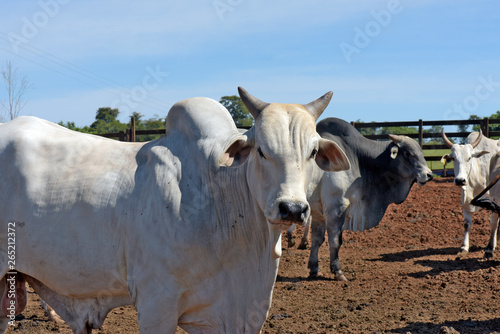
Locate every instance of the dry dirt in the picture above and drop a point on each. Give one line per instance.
(404, 277)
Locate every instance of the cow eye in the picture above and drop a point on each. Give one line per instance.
(261, 154)
(313, 154)
(408, 155)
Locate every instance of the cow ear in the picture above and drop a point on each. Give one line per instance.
(394, 152)
(446, 158)
(236, 154)
(330, 157)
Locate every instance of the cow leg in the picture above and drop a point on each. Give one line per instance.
(304, 242)
(488, 252)
(156, 317)
(334, 228)
(289, 236)
(4, 323)
(467, 226)
(318, 229)
(80, 314)
(51, 314)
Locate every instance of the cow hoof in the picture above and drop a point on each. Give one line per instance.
(341, 277)
(462, 252)
(303, 245)
(488, 255)
(315, 275)
(291, 243)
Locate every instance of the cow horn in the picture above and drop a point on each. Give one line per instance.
(396, 139)
(253, 104)
(478, 139)
(317, 107)
(446, 140)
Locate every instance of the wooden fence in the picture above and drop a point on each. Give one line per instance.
(421, 135)
(131, 133)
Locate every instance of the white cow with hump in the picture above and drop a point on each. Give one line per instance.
(471, 163)
(491, 203)
(165, 225)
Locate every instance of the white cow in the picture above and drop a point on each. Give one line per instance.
(491, 203)
(471, 163)
(164, 225)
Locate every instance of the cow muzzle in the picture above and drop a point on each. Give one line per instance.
(425, 178)
(460, 181)
(291, 212)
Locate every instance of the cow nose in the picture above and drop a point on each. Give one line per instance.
(460, 182)
(295, 212)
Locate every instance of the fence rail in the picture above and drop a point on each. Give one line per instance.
(131, 133)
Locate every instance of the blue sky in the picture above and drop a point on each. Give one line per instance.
(384, 60)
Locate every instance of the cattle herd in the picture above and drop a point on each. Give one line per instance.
(187, 228)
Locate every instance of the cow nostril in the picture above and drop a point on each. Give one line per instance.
(430, 176)
(293, 211)
(460, 182)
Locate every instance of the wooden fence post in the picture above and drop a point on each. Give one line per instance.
(421, 133)
(485, 126)
(132, 129)
(121, 136)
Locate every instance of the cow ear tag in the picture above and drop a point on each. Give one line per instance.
(394, 152)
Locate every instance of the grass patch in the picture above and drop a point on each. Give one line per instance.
(437, 164)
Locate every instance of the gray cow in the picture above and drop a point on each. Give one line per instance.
(381, 173)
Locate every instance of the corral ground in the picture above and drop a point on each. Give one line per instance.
(404, 277)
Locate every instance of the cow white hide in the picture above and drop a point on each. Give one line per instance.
(166, 226)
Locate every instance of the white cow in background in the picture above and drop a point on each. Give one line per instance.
(491, 203)
(471, 163)
(164, 225)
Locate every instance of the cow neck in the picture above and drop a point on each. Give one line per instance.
(238, 213)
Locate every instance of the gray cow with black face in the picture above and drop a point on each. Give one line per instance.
(381, 173)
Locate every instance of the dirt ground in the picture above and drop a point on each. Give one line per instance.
(404, 277)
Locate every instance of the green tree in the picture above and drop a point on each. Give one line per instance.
(366, 131)
(495, 127)
(436, 140)
(238, 111)
(153, 123)
(106, 121)
(400, 130)
(465, 128)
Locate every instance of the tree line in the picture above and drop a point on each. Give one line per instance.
(434, 129)
(106, 119)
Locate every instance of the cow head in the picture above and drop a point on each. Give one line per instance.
(462, 156)
(409, 160)
(281, 149)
